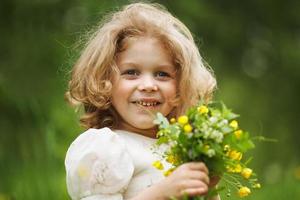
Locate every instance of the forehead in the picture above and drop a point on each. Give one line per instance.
(147, 50)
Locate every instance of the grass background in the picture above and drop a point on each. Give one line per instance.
(253, 47)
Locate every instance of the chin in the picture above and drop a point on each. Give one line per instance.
(145, 125)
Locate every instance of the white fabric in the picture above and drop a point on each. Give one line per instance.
(104, 196)
(102, 164)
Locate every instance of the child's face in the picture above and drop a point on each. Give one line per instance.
(147, 84)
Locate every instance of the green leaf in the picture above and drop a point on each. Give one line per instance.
(214, 191)
(162, 140)
(161, 121)
(227, 114)
(245, 145)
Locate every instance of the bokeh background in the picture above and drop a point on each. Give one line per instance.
(253, 47)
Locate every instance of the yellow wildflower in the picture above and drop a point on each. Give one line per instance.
(202, 109)
(234, 124)
(226, 147)
(160, 133)
(238, 168)
(183, 120)
(234, 169)
(172, 120)
(187, 128)
(238, 133)
(244, 191)
(158, 165)
(235, 155)
(256, 185)
(171, 159)
(168, 172)
(246, 173)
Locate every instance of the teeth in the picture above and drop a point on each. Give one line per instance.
(147, 103)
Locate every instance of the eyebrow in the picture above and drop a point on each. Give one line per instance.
(168, 66)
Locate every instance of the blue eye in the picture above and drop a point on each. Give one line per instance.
(130, 72)
(162, 74)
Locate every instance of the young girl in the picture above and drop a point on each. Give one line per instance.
(142, 60)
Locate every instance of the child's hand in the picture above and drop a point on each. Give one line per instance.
(188, 179)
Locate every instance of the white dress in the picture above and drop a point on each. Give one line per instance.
(102, 164)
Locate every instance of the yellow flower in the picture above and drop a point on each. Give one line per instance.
(257, 186)
(234, 124)
(244, 191)
(172, 120)
(187, 128)
(158, 165)
(171, 159)
(235, 169)
(238, 168)
(226, 147)
(160, 133)
(168, 172)
(246, 173)
(183, 120)
(202, 109)
(238, 133)
(235, 155)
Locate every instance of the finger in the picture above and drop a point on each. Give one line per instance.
(195, 191)
(198, 166)
(199, 175)
(193, 184)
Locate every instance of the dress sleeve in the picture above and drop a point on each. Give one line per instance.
(98, 166)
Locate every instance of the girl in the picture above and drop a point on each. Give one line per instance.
(141, 60)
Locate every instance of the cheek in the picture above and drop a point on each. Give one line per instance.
(121, 91)
(116, 95)
(118, 87)
(171, 90)
(170, 93)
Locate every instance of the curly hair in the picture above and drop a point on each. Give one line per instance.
(91, 79)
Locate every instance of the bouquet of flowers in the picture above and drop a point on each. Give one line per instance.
(209, 133)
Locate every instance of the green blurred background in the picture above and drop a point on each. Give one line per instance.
(253, 47)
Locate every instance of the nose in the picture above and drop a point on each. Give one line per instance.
(147, 84)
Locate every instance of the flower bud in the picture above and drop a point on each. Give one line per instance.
(244, 191)
(202, 109)
(234, 124)
(187, 128)
(158, 165)
(183, 120)
(246, 173)
(238, 134)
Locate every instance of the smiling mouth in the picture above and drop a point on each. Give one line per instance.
(147, 104)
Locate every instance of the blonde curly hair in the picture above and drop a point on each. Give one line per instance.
(91, 80)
